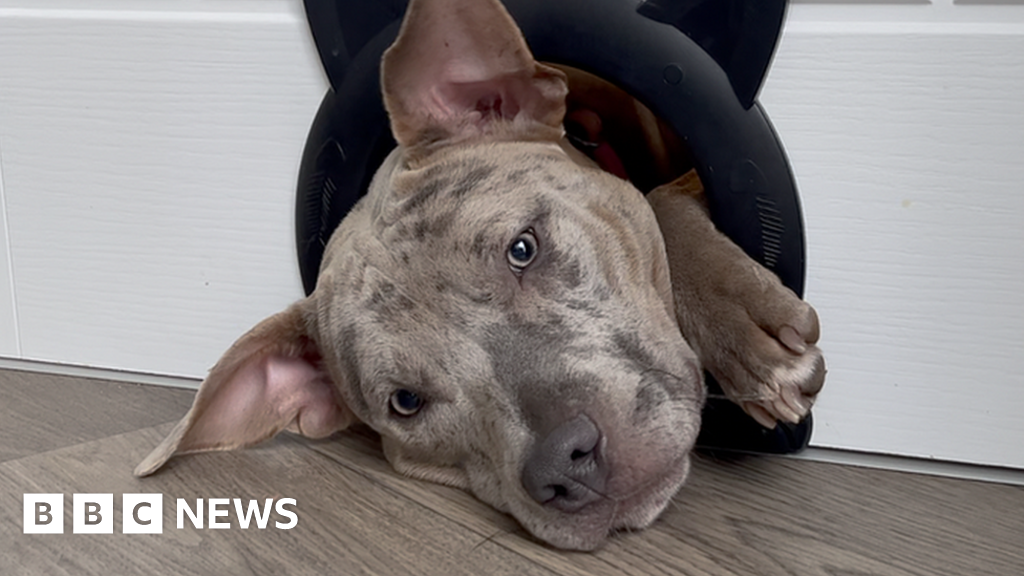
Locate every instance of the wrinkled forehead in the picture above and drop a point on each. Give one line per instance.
(471, 195)
(438, 233)
(449, 221)
(481, 181)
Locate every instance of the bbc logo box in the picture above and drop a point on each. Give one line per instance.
(142, 513)
(44, 514)
(93, 513)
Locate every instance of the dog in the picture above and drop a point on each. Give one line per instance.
(509, 317)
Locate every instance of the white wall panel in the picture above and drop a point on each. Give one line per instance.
(150, 163)
(149, 151)
(907, 146)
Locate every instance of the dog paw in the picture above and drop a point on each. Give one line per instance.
(760, 345)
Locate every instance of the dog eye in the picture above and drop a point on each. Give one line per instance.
(405, 402)
(522, 250)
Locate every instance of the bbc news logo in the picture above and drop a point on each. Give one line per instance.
(143, 513)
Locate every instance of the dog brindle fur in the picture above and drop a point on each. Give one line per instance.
(509, 317)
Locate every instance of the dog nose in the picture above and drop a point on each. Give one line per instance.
(567, 470)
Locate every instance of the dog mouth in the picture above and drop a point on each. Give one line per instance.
(643, 507)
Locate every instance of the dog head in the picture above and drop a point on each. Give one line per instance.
(497, 307)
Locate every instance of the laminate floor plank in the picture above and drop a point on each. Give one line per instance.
(736, 516)
(40, 412)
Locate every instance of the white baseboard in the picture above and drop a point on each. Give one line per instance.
(99, 373)
(957, 470)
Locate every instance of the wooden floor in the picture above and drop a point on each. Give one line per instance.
(747, 516)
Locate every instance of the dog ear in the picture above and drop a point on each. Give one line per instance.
(270, 380)
(461, 69)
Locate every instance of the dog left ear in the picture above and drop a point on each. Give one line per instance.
(270, 380)
(461, 68)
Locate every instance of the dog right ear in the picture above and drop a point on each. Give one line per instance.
(271, 379)
(460, 69)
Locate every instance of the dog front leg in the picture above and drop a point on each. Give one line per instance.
(754, 335)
